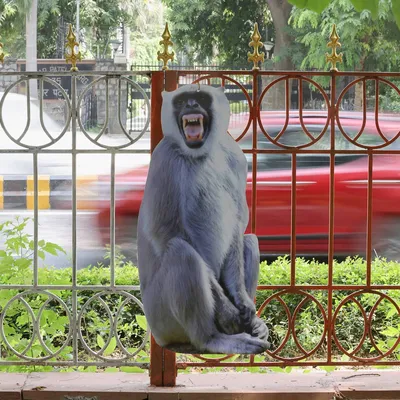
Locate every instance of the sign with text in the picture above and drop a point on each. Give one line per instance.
(52, 92)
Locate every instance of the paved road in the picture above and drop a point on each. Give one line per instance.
(56, 226)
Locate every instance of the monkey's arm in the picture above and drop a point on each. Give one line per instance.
(227, 316)
(233, 281)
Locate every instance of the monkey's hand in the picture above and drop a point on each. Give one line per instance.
(247, 310)
(259, 328)
(228, 317)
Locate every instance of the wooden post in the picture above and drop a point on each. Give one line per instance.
(162, 361)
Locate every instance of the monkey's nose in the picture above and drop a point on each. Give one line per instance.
(192, 103)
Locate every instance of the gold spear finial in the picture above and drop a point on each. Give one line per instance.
(256, 43)
(72, 53)
(1, 53)
(334, 58)
(164, 56)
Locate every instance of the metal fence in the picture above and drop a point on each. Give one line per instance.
(50, 322)
(72, 322)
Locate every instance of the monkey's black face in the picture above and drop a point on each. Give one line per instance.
(193, 114)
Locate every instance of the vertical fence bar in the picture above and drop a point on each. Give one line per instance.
(369, 217)
(162, 361)
(293, 222)
(35, 219)
(255, 110)
(112, 218)
(74, 116)
(332, 116)
(293, 193)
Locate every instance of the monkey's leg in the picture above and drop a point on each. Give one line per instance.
(251, 254)
(227, 316)
(233, 281)
(187, 292)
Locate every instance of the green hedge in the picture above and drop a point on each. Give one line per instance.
(16, 268)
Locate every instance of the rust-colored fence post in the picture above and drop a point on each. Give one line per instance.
(162, 361)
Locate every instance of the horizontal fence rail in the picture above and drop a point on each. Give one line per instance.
(323, 155)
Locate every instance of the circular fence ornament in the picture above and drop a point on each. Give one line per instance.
(278, 139)
(298, 300)
(41, 345)
(369, 133)
(38, 132)
(116, 109)
(368, 303)
(111, 345)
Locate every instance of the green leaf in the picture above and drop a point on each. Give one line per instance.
(141, 321)
(100, 341)
(41, 254)
(313, 5)
(111, 369)
(52, 248)
(371, 5)
(396, 11)
(391, 312)
(111, 347)
(299, 3)
(317, 5)
(390, 331)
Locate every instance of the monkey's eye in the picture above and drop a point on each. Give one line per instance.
(179, 102)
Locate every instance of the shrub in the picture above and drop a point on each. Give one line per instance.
(16, 262)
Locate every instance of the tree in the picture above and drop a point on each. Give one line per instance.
(372, 5)
(218, 31)
(280, 11)
(146, 30)
(100, 18)
(367, 43)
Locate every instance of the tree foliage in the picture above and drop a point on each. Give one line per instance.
(360, 5)
(98, 17)
(216, 31)
(148, 26)
(367, 43)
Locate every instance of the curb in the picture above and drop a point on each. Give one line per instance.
(54, 192)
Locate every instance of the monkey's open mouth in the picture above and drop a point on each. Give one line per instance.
(193, 127)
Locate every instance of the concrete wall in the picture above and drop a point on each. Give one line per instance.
(10, 65)
(113, 126)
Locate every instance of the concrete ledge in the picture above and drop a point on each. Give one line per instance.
(221, 386)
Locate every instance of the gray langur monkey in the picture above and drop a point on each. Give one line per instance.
(198, 270)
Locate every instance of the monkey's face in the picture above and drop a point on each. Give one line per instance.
(192, 113)
(195, 118)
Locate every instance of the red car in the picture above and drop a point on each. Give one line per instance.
(273, 216)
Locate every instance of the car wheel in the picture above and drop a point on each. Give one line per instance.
(387, 244)
(126, 237)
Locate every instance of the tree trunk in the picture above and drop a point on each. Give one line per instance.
(31, 45)
(359, 91)
(280, 11)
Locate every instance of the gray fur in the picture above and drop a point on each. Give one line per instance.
(198, 271)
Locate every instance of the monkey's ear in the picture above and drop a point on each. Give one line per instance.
(165, 95)
(222, 89)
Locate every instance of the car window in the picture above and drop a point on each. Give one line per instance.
(294, 135)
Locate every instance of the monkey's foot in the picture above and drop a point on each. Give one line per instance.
(259, 329)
